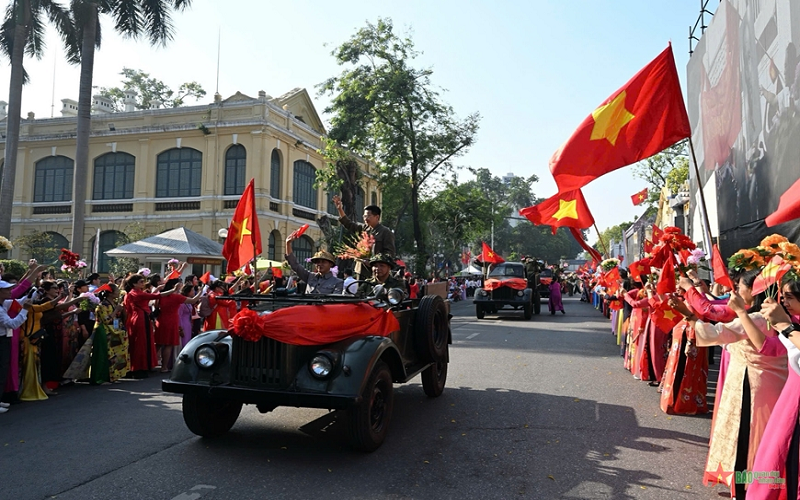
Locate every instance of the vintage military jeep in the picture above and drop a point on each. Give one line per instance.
(507, 285)
(219, 371)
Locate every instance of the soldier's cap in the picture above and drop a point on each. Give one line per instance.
(382, 258)
(323, 255)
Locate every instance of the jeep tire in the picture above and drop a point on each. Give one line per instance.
(208, 417)
(480, 313)
(527, 311)
(434, 378)
(369, 420)
(430, 328)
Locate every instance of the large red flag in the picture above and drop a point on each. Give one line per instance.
(488, 256)
(788, 208)
(641, 119)
(720, 269)
(639, 197)
(243, 243)
(567, 209)
(666, 280)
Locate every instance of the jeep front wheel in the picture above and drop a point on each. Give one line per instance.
(433, 379)
(431, 328)
(208, 417)
(480, 313)
(369, 419)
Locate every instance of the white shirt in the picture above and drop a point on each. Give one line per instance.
(9, 324)
(347, 281)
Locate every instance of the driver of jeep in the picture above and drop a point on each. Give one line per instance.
(382, 266)
(322, 281)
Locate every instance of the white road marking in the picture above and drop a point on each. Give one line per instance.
(473, 335)
(194, 496)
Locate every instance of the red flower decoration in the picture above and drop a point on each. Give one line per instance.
(246, 325)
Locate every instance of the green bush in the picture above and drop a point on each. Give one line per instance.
(14, 267)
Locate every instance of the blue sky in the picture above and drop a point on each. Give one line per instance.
(533, 69)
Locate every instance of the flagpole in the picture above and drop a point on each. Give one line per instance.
(703, 209)
(599, 238)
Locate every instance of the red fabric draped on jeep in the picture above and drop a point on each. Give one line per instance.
(315, 324)
(515, 283)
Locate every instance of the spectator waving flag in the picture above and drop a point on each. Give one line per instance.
(640, 119)
(243, 243)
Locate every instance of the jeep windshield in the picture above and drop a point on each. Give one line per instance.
(502, 271)
(546, 273)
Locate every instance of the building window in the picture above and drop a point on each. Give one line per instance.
(235, 159)
(374, 198)
(108, 240)
(113, 176)
(274, 236)
(48, 248)
(331, 207)
(359, 201)
(304, 177)
(53, 180)
(302, 249)
(275, 175)
(178, 173)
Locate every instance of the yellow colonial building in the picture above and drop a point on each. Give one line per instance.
(186, 166)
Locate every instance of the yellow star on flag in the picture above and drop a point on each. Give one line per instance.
(641, 197)
(241, 229)
(566, 209)
(669, 315)
(610, 118)
(490, 255)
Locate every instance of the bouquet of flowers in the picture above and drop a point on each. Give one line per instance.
(89, 302)
(5, 245)
(609, 264)
(72, 262)
(358, 248)
(773, 245)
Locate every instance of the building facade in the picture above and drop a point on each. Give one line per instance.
(187, 166)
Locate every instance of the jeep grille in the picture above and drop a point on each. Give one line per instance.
(258, 363)
(504, 293)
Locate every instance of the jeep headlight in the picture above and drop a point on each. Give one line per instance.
(520, 293)
(205, 356)
(395, 296)
(321, 365)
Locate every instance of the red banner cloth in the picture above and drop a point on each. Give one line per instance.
(720, 269)
(515, 283)
(641, 119)
(243, 243)
(596, 257)
(315, 324)
(566, 209)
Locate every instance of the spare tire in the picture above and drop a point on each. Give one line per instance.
(431, 328)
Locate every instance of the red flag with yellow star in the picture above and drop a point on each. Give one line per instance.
(567, 209)
(639, 120)
(665, 317)
(243, 243)
(489, 256)
(639, 197)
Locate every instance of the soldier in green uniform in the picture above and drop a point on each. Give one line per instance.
(382, 266)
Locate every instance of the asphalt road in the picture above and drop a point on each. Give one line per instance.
(536, 409)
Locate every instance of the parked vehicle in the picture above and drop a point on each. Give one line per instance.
(507, 285)
(219, 371)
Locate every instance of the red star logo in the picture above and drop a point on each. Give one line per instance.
(719, 476)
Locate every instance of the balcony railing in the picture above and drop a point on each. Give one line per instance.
(49, 209)
(113, 207)
(303, 214)
(177, 206)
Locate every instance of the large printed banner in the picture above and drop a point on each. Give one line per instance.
(744, 108)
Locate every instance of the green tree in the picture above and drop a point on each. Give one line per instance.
(132, 18)
(41, 246)
(134, 231)
(613, 233)
(341, 175)
(385, 109)
(23, 31)
(669, 168)
(150, 91)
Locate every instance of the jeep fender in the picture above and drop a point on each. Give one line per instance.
(359, 358)
(186, 370)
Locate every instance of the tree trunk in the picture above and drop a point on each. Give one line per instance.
(13, 118)
(422, 254)
(84, 129)
(347, 172)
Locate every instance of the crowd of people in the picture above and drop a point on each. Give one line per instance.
(667, 322)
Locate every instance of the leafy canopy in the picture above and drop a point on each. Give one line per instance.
(151, 91)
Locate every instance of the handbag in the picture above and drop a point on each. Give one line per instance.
(36, 337)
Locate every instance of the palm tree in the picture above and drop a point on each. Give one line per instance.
(132, 18)
(23, 31)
